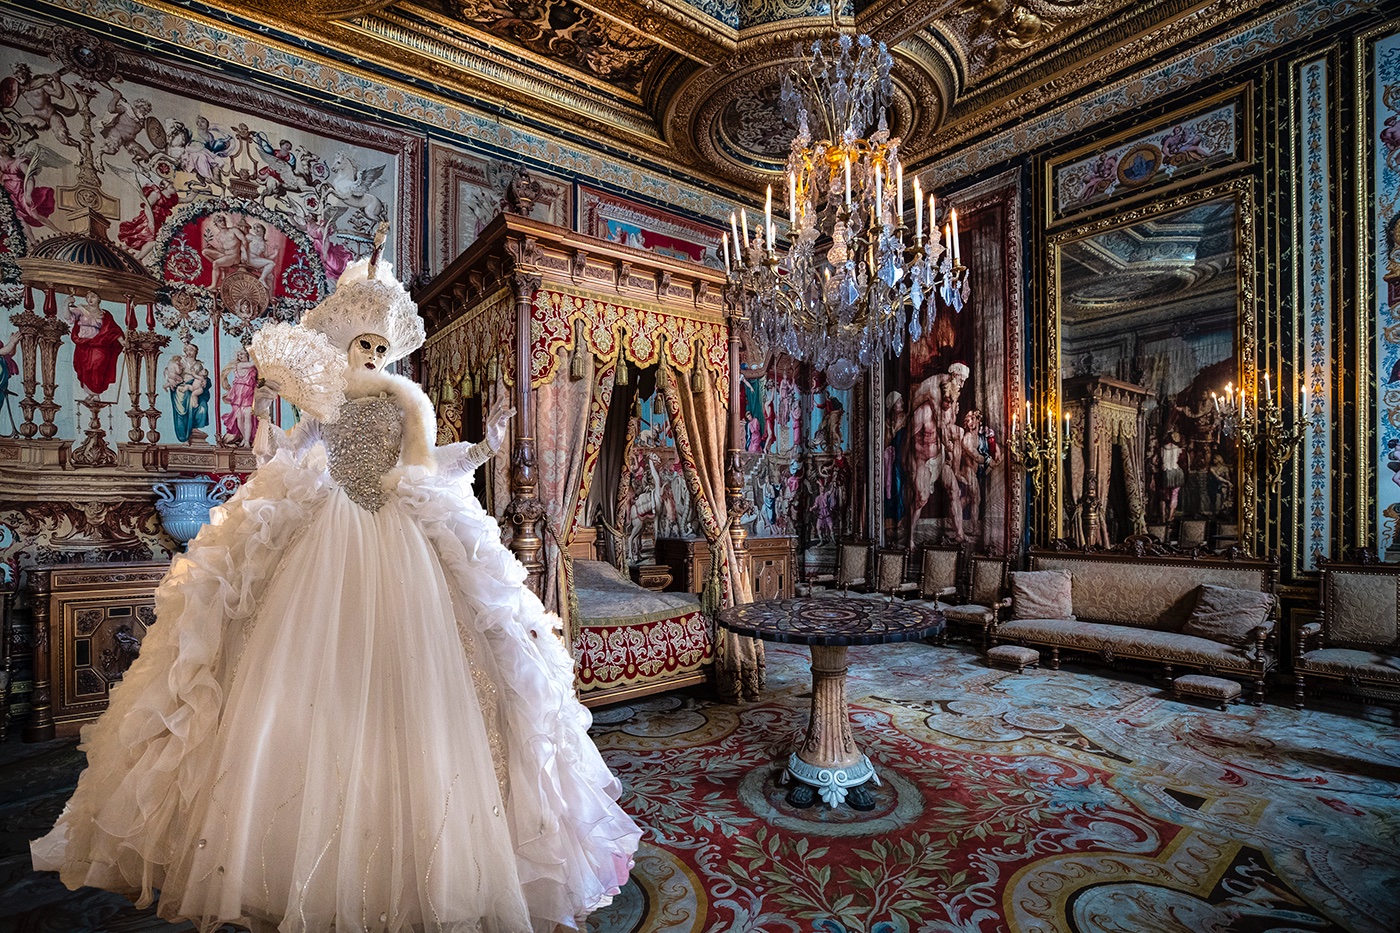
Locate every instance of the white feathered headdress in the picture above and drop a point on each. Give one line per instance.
(361, 305)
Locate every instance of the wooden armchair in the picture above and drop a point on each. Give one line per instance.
(986, 597)
(891, 565)
(940, 570)
(852, 569)
(1357, 640)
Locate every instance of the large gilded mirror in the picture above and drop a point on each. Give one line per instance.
(1152, 319)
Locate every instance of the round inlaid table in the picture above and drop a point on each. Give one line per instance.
(829, 762)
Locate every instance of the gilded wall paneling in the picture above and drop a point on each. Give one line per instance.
(1378, 289)
(1190, 145)
(1098, 360)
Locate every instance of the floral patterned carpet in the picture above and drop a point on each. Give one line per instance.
(1078, 800)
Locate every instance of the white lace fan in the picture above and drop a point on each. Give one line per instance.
(308, 371)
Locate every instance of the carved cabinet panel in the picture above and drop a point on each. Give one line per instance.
(89, 621)
(772, 563)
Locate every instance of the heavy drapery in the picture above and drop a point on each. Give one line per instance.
(700, 423)
(567, 408)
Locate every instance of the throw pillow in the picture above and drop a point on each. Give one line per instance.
(1041, 594)
(1227, 615)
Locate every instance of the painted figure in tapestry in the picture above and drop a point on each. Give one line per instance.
(33, 203)
(97, 343)
(49, 100)
(935, 440)
(187, 381)
(891, 461)
(239, 379)
(9, 368)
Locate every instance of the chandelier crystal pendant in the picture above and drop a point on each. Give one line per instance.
(850, 283)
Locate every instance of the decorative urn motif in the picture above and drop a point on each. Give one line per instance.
(184, 504)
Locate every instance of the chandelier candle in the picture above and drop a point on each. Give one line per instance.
(851, 285)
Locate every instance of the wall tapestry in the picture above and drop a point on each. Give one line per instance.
(620, 220)
(944, 471)
(159, 226)
(1188, 143)
(1385, 219)
(468, 192)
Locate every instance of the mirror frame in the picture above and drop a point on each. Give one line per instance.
(1246, 334)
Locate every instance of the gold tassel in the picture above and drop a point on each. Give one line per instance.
(577, 365)
(621, 378)
(493, 371)
(697, 381)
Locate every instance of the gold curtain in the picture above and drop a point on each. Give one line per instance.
(700, 423)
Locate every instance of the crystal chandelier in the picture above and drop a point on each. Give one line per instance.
(850, 282)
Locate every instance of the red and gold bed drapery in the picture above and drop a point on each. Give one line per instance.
(605, 374)
(643, 333)
(571, 416)
(700, 423)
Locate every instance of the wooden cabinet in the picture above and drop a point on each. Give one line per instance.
(772, 564)
(89, 620)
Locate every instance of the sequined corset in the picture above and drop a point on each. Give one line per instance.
(362, 445)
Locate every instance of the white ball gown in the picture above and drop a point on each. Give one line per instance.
(352, 714)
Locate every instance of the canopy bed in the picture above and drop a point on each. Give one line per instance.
(582, 316)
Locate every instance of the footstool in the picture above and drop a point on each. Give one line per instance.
(1017, 656)
(1223, 692)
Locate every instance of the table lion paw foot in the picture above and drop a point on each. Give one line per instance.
(860, 798)
(802, 796)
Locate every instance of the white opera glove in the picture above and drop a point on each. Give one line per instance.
(464, 459)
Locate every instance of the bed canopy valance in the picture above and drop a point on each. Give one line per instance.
(578, 313)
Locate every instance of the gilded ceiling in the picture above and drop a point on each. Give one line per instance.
(693, 83)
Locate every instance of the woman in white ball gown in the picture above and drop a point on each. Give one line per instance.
(352, 714)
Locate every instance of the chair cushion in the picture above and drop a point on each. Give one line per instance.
(1343, 662)
(1150, 644)
(1041, 594)
(1227, 615)
(969, 615)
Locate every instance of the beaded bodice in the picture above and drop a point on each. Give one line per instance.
(362, 445)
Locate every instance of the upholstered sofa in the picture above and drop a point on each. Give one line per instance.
(1357, 640)
(1133, 602)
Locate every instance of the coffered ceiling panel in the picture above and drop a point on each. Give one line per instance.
(694, 83)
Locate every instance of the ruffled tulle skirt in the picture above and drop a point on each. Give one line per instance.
(347, 720)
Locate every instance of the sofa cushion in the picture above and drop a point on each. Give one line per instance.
(1342, 662)
(1097, 637)
(1041, 594)
(1146, 594)
(1227, 615)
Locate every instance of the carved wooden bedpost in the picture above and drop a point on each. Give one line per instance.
(525, 511)
(734, 473)
(41, 727)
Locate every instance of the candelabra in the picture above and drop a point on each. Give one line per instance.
(836, 297)
(1035, 446)
(1262, 428)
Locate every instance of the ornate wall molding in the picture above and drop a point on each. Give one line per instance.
(1314, 288)
(1256, 40)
